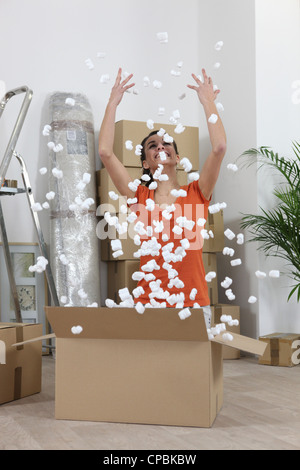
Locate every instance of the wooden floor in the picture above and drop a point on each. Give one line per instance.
(261, 411)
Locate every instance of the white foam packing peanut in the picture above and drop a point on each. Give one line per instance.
(236, 262)
(140, 308)
(110, 303)
(150, 266)
(124, 294)
(40, 266)
(240, 238)
(193, 293)
(185, 313)
(162, 156)
(163, 37)
(76, 330)
(138, 291)
(89, 64)
(228, 251)
(129, 145)
(214, 208)
(167, 138)
(213, 118)
(274, 273)
(193, 176)
(230, 295)
(43, 170)
(227, 282)
(70, 101)
(232, 167)
(201, 222)
(116, 245)
(46, 130)
(252, 299)
(260, 274)
(150, 124)
(50, 195)
(179, 129)
(114, 196)
(219, 107)
(186, 164)
(229, 234)
(157, 84)
(138, 149)
(178, 193)
(82, 294)
(57, 173)
(219, 45)
(64, 260)
(36, 207)
(104, 78)
(227, 337)
(210, 276)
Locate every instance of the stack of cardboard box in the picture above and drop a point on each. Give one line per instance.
(120, 271)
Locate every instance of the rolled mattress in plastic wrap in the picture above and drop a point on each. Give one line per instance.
(74, 248)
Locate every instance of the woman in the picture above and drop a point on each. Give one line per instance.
(179, 266)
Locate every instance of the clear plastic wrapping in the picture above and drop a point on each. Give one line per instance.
(74, 246)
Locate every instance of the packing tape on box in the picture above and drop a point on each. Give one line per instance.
(73, 232)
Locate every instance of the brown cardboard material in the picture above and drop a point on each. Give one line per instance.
(21, 372)
(105, 185)
(125, 367)
(119, 275)
(280, 349)
(234, 311)
(215, 222)
(210, 264)
(136, 131)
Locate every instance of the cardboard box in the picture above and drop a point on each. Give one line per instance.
(20, 368)
(210, 264)
(119, 275)
(125, 367)
(215, 222)
(280, 349)
(105, 185)
(136, 131)
(234, 311)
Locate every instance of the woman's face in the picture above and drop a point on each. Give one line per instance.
(152, 147)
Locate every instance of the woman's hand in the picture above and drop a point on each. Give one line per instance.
(205, 90)
(119, 88)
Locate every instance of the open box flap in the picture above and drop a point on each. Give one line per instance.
(243, 343)
(12, 325)
(33, 340)
(126, 323)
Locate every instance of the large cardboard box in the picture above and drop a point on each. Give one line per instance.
(136, 131)
(119, 274)
(281, 349)
(21, 367)
(105, 185)
(234, 311)
(125, 367)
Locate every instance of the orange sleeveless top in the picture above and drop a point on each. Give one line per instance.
(171, 251)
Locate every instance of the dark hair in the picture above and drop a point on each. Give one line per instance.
(146, 171)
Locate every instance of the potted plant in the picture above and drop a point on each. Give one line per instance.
(277, 230)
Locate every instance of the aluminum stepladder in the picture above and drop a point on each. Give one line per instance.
(9, 153)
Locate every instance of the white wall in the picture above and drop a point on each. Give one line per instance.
(278, 124)
(46, 44)
(233, 22)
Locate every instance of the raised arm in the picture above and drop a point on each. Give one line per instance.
(211, 167)
(115, 168)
